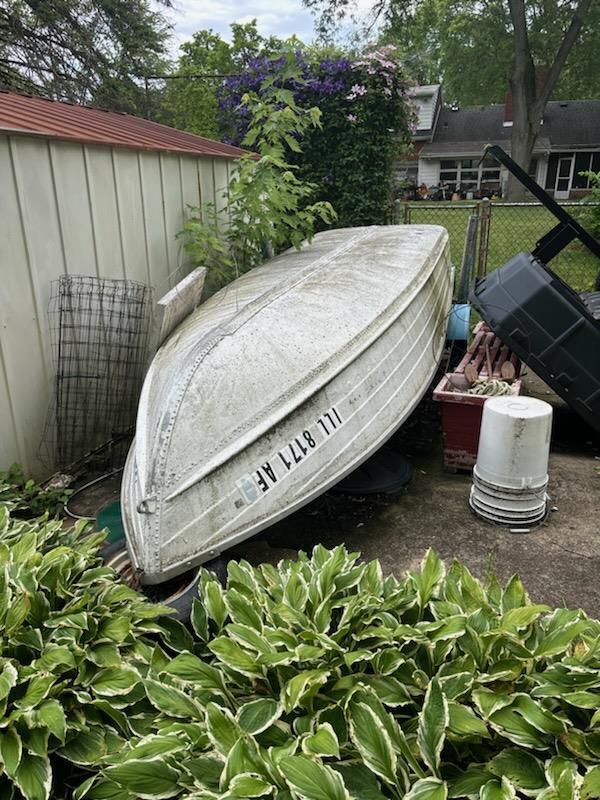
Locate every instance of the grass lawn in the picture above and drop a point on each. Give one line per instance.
(512, 229)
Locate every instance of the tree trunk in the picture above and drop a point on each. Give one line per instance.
(528, 96)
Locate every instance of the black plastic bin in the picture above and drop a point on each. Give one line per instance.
(550, 328)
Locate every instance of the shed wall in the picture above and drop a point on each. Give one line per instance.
(68, 208)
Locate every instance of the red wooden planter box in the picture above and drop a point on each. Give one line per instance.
(461, 412)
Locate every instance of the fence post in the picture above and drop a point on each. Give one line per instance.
(468, 260)
(406, 214)
(485, 216)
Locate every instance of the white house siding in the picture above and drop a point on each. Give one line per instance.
(429, 171)
(68, 208)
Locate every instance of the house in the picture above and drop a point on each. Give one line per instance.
(84, 192)
(450, 153)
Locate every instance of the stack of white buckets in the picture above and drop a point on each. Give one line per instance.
(511, 474)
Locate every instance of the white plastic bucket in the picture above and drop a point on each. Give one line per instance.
(514, 443)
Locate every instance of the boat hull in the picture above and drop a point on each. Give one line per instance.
(352, 411)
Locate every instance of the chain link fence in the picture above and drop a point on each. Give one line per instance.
(505, 229)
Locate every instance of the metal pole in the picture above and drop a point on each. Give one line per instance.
(468, 260)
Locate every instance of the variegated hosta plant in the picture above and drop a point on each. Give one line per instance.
(74, 647)
(320, 679)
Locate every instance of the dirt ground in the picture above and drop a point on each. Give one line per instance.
(559, 560)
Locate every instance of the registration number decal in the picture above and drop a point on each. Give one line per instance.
(284, 461)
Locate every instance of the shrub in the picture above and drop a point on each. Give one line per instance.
(74, 646)
(320, 679)
(26, 498)
(366, 120)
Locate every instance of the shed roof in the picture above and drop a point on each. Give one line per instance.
(29, 114)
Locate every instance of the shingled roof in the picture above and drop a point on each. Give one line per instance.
(56, 119)
(568, 125)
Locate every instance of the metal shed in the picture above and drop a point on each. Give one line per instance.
(86, 192)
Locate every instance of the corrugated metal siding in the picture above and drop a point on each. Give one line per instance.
(70, 122)
(68, 208)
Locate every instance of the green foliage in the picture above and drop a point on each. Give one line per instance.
(26, 498)
(591, 217)
(191, 103)
(86, 51)
(320, 679)
(74, 647)
(268, 205)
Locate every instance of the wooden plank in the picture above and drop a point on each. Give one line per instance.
(177, 304)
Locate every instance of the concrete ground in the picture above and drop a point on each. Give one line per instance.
(559, 561)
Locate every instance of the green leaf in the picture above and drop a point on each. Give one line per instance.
(496, 790)
(591, 784)
(10, 750)
(323, 742)
(85, 747)
(192, 669)
(249, 784)
(258, 715)
(146, 778)
(171, 701)
(562, 628)
(468, 783)
(223, 729)
(199, 620)
(427, 580)
(311, 780)
(519, 767)
(302, 686)
(241, 610)
(433, 720)
(428, 789)
(34, 777)
(372, 741)
(359, 780)
(114, 681)
(462, 721)
(214, 602)
(234, 656)
(519, 618)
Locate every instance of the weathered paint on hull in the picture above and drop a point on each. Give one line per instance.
(335, 421)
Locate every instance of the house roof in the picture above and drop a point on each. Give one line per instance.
(426, 102)
(568, 125)
(56, 119)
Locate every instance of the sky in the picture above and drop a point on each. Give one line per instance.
(279, 17)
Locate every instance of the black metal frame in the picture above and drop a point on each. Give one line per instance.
(551, 244)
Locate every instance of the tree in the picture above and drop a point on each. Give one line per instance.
(190, 102)
(85, 51)
(480, 48)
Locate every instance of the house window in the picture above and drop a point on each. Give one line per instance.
(585, 162)
(469, 173)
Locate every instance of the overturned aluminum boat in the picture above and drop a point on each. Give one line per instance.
(279, 386)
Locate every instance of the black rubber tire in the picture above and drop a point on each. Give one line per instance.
(182, 600)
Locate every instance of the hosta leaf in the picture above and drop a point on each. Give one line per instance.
(312, 781)
(257, 715)
(519, 767)
(171, 701)
(469, 782)
(538, 716)
(242, 758)
(149, 778)
(249, 784)
(591, 784)
(214, 602)
(199, 620)
(114, 681)
(428, 789)
(154, 746)
(427, 580)
(8, 679)
(462, 721)
(241, 611)
(562, 628)
(34, 777)
(222, 728)
(37, 689)
(360, 781)
(433, 720)
(323, 742)
(514, 596)
(85, 747)
(10, 750)
(192, 669)
(389, 690)
(296, 591)
(302, 686)
(373, 742)
(497, 790)
(511, 724)
(518, 618)
(234, 656)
